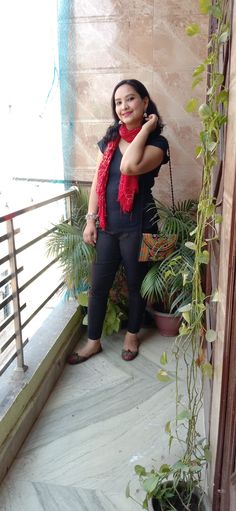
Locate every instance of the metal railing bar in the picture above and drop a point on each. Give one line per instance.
(37, 205)
(45, 268)
(41, 305)
(4, 259)
(6, 323)
(9, 277)
(15, 295)
(6, 343)
(74, 182)
(13, 322)
(4, 367)
(6, 301)
(5, 237)
(35, 240)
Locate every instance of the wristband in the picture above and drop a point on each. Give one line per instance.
(91, 216)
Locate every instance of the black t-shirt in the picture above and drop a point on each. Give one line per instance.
(142, 212)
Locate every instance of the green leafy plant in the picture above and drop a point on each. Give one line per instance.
(76, 257)
(66, 243)
(115, 314)
(168, 284)
(189, 345)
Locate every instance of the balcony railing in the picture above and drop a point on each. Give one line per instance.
(26, 273)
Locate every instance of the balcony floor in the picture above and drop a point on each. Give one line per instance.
(102, 418)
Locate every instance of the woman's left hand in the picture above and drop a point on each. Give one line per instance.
(150, 122)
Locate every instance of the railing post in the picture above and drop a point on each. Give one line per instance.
(15, 296)
(69, 207)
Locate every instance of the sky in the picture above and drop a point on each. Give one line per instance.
(29, 95)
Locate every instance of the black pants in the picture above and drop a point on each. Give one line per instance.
(111, 249)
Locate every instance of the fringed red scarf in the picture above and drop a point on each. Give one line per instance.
(128, 185)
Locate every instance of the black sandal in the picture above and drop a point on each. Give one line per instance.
(75, 358)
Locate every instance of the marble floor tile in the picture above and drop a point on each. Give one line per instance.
(102, 419)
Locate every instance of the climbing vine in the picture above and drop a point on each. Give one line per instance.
(189, 345)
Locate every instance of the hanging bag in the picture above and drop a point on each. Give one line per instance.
(156, 247)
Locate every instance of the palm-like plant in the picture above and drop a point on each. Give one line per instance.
(66, 243)
(168, 283)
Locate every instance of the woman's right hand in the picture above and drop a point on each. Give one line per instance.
(90, 233)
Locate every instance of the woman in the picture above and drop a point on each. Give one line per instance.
(130, 156)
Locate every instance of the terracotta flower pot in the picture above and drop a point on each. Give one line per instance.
(167, 324)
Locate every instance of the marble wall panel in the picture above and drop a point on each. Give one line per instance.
(172, 91)
(185, 181)
(141, 8)
(182, 8)
(172, 48)
(92, 93)
(143, 39)
(98, 45)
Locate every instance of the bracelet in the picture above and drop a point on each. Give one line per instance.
(91, 216)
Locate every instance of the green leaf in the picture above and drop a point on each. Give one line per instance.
(218, 219)
(198, 70)
(204, 6)
(163, 359)
(216, 12)
(179, 465)
(186, 317)
(168, 428)
(145, 504)
(184, 330)
(207, 454)
(85, 320)
(164, 468)
(204, 257)
(197, 80)
(207, 370)
(212, 146)
(198, 151)
(185, 276)
(185, 308)
(219, 78)
(204, 111)
(82, 299)
(222, 97)
(139, 470)
(192, 29)
(127, 491)
(185, 414)
(192, 105)
(163, 376)
(211, 335)
(150, 483)
(191, 245)
(224, 37)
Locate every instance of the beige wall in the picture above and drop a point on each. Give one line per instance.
(114, 39)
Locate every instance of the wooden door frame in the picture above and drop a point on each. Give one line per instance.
(226, 446)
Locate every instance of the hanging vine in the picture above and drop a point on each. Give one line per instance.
(213, 117)
(189, 344)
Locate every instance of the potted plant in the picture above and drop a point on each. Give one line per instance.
(173, 487)
(75, 258)
(167, 286)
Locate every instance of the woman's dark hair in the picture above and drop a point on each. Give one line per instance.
(112, 131)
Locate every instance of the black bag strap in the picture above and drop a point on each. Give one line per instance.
(171, 180)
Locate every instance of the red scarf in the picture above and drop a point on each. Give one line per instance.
(128, 185)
